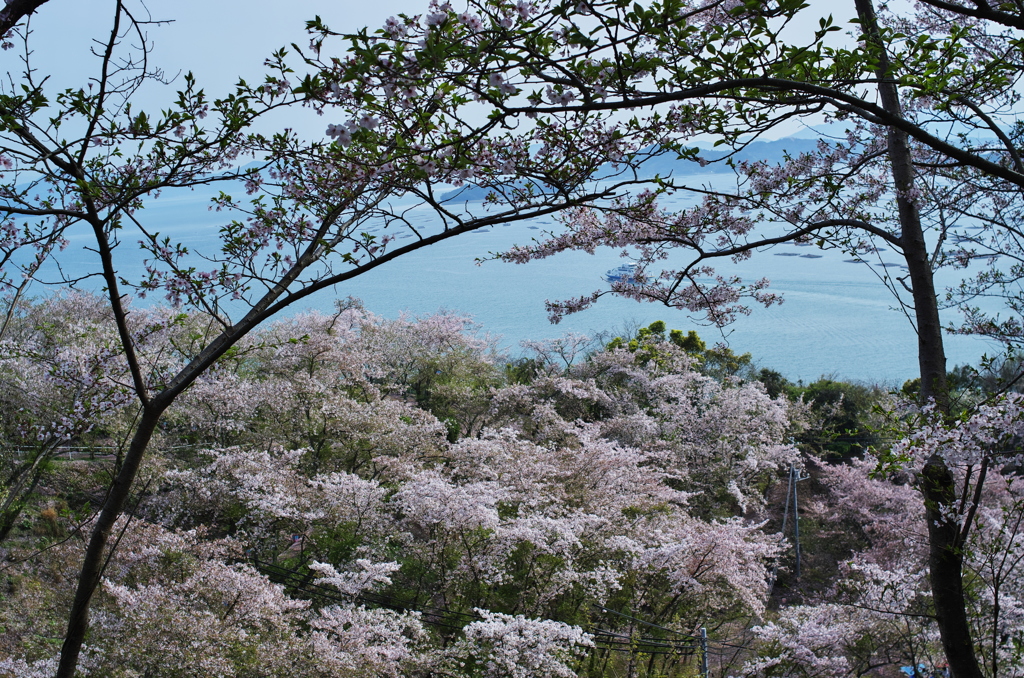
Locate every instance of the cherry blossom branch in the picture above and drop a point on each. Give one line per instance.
(101, 97)
(839, 99)
(15, 11)
(1008, 145)
(980, 10)
(979, 485)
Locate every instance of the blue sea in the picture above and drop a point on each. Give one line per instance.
(837, 319)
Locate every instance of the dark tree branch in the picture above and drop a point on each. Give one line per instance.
(15, 11)
(981, 10)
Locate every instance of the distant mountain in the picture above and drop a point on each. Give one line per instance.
(467, 193)
(668, 164)
(834, 130)
(768, 151)
(472, 192)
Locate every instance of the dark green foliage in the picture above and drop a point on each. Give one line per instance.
(719, 361)
(522, 370)
(774, 383)
(842, 411)
(691, 343)
(993, 375)
(455, 388)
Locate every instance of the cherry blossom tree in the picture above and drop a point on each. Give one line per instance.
(61, 379)
(520, 99)
(929, 102)
(523, 648)
(85, 162)
(540, 516)
(173, 602)
(719, 439)
(877, 610)
(627, 484)
(505, 525)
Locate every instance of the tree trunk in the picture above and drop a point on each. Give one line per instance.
(945, 557)
(20, 484)
(945, 564)
(94, 561)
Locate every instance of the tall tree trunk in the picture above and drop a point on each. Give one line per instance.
(94, 561)
(945, 556)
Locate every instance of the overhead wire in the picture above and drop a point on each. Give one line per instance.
(440, 617)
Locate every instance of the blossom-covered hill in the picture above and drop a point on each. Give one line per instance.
(346, 495)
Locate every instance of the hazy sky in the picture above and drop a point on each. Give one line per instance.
(218, 40)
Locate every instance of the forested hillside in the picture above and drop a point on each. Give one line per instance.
(347, 495)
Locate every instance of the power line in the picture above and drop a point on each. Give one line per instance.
(443, 617)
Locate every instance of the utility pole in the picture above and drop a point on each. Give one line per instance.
(792, 497)
(795, 476)
(796, 515)
(705, 671)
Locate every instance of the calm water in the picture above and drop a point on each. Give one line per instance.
(837, 318)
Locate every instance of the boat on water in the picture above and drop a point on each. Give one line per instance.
(623, 274)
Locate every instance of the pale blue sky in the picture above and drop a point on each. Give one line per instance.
(218, 40)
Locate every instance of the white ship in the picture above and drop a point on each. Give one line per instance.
(624, 274)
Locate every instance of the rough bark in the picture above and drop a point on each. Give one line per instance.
(945, 563)
(96, 552)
